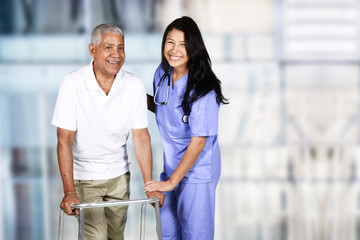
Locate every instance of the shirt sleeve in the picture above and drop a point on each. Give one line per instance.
(204, 116)
(65, 109)
(140, 119)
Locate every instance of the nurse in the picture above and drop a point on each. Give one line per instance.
(187, 96)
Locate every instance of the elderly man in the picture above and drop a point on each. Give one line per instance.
(97, 107)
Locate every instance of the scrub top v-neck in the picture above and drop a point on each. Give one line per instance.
(176, 134)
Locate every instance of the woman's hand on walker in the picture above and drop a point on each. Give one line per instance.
(163, 186)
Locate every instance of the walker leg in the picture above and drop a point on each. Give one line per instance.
(61, 225)
(158, 222)
(142, 221)
(81, 223)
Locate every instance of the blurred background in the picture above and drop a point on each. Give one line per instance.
(289, 137)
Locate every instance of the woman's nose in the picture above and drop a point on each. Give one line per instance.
(175, 48)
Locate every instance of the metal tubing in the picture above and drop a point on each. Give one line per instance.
(83, 206)
(158, 223)
(142, 222)
(114, 203)
(81, 223)
(61, 225)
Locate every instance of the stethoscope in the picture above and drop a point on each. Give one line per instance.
(185, 116)
(167, 91)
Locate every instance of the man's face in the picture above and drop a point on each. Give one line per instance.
(109, 55)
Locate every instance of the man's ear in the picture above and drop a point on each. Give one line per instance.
(92, 50)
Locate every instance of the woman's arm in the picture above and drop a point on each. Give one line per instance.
(150, 103)
(191, 154)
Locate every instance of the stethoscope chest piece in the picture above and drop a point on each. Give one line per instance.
(185, 118)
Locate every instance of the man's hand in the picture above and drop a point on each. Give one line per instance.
(66, 202)
(158, 194)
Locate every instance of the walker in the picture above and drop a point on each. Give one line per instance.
(83, 206)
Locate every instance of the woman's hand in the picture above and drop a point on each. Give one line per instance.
(162, 186)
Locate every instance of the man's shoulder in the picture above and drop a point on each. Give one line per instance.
(127, 74)
(78, 72)
(129, 78)
(75, 77)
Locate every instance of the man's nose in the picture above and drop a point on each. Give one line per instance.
(116, 51)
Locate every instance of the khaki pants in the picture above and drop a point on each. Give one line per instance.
(104, 223)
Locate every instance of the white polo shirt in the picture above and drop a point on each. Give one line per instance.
(102, 123)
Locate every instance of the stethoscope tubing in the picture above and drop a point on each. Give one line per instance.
(167, 92)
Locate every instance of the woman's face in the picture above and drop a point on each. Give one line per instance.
(175, 49)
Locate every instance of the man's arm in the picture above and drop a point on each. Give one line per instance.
(142, 147)
(65, 161)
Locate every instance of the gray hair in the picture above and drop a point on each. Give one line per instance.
(102, 29)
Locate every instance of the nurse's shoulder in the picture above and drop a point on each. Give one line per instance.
(158, 73)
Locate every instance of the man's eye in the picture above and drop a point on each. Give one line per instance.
(108, 47)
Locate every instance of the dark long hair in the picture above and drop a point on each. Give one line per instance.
(201, 79)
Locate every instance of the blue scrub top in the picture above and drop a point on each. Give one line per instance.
(176, 135)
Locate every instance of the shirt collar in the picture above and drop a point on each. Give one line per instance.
(92, 84)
